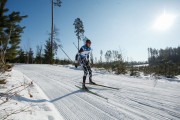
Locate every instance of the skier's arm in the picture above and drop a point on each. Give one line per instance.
(81, 50)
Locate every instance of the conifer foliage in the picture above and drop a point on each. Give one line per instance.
(79, 29)
(10, 32)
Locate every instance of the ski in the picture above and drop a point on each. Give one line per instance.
(102, 86)
(89, 91)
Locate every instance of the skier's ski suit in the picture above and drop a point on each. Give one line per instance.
(84, 59)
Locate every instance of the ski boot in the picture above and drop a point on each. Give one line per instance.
(84, 87)
(91, 82)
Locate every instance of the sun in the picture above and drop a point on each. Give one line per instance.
(164, 21)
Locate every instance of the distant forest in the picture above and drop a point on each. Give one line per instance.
(164, 61)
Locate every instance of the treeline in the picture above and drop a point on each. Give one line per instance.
(164, 61)
(114, 62)
(43, 54)
(40, 57)
(168, 55)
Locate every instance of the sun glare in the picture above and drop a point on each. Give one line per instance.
(164, 21)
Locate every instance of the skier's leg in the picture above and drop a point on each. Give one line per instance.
(85, 73)
(84, 77)
(90, 75)
(90, 72)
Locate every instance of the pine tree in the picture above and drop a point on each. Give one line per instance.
(48, 55)
(30, 56)
(79, 29)
(10, 32)
(47, 52)
(21, 56)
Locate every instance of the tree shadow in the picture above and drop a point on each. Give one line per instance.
(21, 98)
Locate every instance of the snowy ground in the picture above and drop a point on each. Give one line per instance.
(28, 103)
(137, 99)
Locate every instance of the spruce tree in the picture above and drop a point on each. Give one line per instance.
(48, 55)
(30, 56)
(50, 52)
(10, 32)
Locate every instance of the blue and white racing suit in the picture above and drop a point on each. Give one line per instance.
(84, 54)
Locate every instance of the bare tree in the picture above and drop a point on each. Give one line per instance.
(58, 4)
(92, 58)
(108, 56)
(39, 54)
(115, 54)
(101, 53)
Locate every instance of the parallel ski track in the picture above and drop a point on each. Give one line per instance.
(129, 103)
(107, 112)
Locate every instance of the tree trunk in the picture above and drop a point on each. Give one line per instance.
(52, 30)
(3, 52)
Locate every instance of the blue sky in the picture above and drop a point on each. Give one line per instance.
(124, 25)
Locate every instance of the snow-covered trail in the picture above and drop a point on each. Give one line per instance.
(137, 99)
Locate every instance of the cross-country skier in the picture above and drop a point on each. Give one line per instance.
(84, 53)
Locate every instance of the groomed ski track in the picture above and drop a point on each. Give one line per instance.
(137, 99)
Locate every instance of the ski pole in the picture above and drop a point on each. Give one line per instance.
(65, 53)
(75, 45)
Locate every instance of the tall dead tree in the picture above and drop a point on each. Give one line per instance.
(58, 4)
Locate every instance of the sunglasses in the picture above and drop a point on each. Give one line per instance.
(88, 43)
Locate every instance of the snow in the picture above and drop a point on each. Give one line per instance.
(38, 107)
(138, 98)
(142, 65)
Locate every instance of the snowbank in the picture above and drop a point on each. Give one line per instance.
(29, 104)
